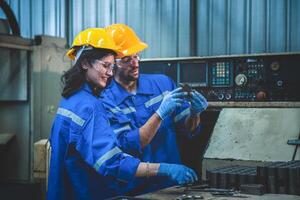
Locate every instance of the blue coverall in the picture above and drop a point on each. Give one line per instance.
(127, 112)
(86, 161)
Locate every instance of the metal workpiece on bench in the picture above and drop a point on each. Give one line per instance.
(255, 189)
(175, 192)
(191, 197)
(276, 177)
(271, 180)
(294, 180)
(231, 177)
(262, 175)
(283, 183)
(236, 104)
(280, 176)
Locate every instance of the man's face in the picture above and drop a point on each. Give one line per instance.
(128, 67)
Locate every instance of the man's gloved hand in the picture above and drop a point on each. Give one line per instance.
(198, 103)
(170, 101)
(178, 173)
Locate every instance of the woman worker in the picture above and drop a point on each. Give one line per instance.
(86, 159)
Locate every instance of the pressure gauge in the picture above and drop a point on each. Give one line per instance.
(240, 80)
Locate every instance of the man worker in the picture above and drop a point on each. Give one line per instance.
(132, 99)
(86, 159)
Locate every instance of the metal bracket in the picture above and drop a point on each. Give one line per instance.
(293, 142)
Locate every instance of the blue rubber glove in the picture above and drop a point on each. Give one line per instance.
(198, 103)
(170, 101)
(178, 173)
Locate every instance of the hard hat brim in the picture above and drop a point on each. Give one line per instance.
(71, 53)
(135, 49)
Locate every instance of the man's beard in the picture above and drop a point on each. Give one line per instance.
(127, 78)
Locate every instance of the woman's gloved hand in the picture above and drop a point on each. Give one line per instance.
(198, 103)
(170, 101)
(178, 173)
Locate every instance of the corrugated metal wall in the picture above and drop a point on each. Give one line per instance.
(173, 27)
(247, 26)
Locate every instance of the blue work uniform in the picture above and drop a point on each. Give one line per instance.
(86, 161)
(128, 112)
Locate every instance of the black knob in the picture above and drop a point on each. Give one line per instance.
(220, 96)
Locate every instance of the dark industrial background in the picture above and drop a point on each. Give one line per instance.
(33, 61)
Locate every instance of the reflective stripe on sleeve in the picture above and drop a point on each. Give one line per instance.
(128, 110)
(124, 110)
(115, 109)
(156, 99)
(67, 113)
(108, 155)
(182, 114)
(124, 128)
(127, 155)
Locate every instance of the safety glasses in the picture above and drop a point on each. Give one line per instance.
(129, 59)
(100, 66)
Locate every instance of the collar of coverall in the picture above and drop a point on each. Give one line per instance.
(96, 91)
(120, 94)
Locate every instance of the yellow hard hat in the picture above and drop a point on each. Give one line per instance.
(126, 39)
(95, 37)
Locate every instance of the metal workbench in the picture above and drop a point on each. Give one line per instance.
(175, 192)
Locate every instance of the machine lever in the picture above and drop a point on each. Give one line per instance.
(294, 142)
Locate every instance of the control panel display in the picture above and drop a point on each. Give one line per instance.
(194, 73)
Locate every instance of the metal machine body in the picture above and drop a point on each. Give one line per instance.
(254, 107)
(30, 91)
(237, 78)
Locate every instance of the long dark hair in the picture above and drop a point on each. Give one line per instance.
(73, 79)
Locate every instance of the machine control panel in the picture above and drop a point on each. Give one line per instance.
(221, 74)
(245, 78)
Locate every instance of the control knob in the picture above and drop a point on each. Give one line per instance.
(279, 83)
(275, 66)
(228, 96)
(261, 95)
(220, 96)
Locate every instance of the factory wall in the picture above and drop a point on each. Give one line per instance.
(173, 28)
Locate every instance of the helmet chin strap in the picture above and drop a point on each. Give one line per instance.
(84, 48)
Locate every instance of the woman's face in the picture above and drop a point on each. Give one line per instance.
(100, 71)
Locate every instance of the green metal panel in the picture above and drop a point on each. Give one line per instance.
(29, 109)
(13, 75)
(15, 159)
